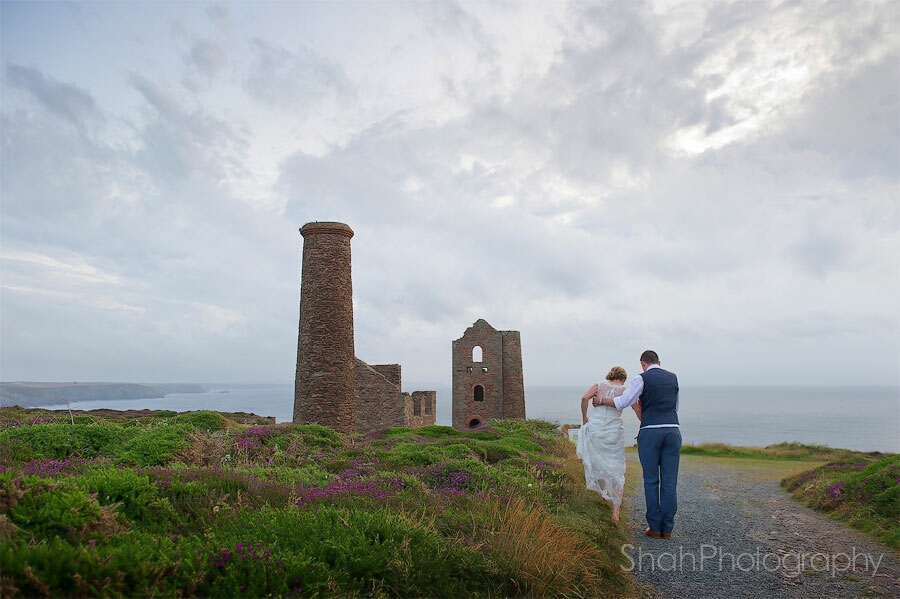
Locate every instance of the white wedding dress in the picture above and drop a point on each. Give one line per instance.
(601, 447)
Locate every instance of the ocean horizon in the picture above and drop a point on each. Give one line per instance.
(857, 418)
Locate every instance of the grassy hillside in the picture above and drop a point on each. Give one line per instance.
(195, 504)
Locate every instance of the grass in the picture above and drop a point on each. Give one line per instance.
(779, 451)
(207, 505)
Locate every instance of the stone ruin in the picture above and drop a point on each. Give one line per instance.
(332, 387)
(487, 376)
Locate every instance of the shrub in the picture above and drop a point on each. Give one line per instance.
(136, 495)
(202, 449)
(377, 553)
(316, 435)
(205, 420)
(66, 512)
(413, 453)
(60, 441)
(429, 432)
(130, 564)
(156, 445)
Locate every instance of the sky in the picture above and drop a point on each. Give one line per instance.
(717, 181)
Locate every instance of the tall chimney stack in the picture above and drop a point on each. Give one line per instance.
(325, 385)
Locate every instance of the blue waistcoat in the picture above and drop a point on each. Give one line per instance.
(659, 398)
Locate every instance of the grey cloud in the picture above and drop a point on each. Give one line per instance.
(717, 116)
(219, 13)
(624, 96)
(817, 253)
(63, 99)
(162, 103)
(203, 64)
(863, 122)
(179, 142)
(280, 77)
(51, 177)
(208, 56)
(452, 20)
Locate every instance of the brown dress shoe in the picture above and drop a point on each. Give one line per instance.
(653, 533)
(666, 535)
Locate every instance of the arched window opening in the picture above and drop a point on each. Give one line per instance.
(479, 393)
(476, 353)
(474, 423)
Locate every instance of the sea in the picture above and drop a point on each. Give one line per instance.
(857, 418)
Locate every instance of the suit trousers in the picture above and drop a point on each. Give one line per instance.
(659, 450)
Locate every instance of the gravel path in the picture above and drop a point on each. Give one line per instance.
(737, 534)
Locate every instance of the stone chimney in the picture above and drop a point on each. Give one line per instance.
(325, 385)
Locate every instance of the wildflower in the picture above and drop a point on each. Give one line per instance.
(834, 491)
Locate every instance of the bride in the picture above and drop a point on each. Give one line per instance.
(601, 441)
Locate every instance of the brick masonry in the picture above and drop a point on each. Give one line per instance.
(333, 387)
(492, 387)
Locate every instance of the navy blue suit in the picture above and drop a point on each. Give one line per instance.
(659, 447)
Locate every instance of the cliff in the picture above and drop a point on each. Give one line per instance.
(31, 394)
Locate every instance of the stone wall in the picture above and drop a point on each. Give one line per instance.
(513, 382)
(380, 404)
(419, 408)
(377, 399)
(389, 371)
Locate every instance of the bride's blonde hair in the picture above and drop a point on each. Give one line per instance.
(616, 373)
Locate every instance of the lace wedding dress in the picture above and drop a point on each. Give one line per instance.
(601, 447)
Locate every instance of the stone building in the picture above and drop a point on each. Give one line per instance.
(487, 376)
(332, 387)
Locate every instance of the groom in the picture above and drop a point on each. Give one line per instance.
(659, 440)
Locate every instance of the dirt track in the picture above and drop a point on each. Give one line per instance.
(738, 534)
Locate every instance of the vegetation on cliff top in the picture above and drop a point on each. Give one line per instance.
(194, 504)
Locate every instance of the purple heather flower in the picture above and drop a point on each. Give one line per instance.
(834, 491)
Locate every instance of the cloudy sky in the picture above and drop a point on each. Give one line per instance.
(719, 181)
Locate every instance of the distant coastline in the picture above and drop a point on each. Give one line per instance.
(34, 394)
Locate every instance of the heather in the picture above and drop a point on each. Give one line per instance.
(204, 505)
(863, 491)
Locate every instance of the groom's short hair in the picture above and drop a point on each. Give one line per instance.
(649, 357)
